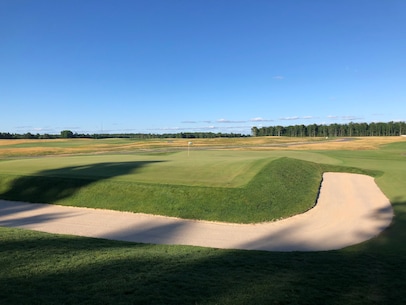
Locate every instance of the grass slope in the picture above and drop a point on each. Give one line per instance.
(282, 188)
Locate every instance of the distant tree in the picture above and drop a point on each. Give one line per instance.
(333, 130)
(66, 134)
(254, 131)
(28, 135)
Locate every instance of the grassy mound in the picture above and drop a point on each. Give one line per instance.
(282, 188)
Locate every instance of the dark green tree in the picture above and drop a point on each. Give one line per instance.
(66, 134)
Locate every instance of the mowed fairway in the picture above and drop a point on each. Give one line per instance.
(39, 268)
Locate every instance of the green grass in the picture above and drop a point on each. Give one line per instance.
(39, 268)
(232, 186)
(282, 188)
(201, 168)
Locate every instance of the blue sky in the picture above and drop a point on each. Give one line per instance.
(163, 66)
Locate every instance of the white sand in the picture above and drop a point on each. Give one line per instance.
(350, 209)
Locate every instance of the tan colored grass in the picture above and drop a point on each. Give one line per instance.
(78, 146)
(361, 143)
(5, 142)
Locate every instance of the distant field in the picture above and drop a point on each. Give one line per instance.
(13, 148)
(72, 146)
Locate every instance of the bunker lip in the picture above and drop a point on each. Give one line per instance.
(350, 209)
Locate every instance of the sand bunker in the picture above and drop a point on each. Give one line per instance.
(350, 209)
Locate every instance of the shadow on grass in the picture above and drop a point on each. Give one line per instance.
(39, 268)
(66, 181)
(392, 240)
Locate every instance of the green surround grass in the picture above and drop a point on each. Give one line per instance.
(39, 268)
(228, 186)
(282, 188)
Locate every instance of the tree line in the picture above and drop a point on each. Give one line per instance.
(333, 130)
(313, 130)
(68, 134)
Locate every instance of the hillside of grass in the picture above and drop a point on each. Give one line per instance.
(282, 188)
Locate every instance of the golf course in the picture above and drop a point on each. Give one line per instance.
(239, 181)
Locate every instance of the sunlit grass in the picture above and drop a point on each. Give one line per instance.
(200, 168)
(32, 147)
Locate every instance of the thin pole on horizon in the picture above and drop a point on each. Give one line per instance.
(188, 148)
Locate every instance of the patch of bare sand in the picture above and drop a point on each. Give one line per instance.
(350, 209)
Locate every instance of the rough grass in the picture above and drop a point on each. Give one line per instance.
(17, 148)
(39, 268)
(13, 148)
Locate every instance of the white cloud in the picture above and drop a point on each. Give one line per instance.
(23, 127)
(290, 118)
(344, 117)
(259, 119)
(229, 121)
(350, 118)
(165, 129)
(278, 77)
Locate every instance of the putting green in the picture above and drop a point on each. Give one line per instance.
(194, 168)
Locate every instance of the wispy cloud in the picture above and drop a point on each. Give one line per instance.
(259, 119)
(290, 118)
(194, 122)
(295, 118)
(229, 121)
(344, 117)
(165, 129)
(278, 77)
(351, 118)
(42, 129)
(33, 129)
(227, 128)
